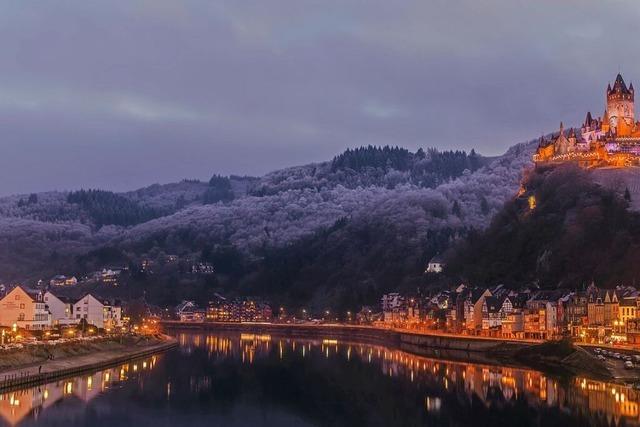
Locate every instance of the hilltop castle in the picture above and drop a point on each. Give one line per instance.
(610, 140)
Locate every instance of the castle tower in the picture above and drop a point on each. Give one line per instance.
(620, 103)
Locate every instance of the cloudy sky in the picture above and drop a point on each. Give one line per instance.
(124, 93)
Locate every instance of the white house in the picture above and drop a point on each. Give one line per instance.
(61, 280)
(112, 316)
(25, 309)
(91, 309)
(435, 265)
(97, 313)
(107, 275)
(60, 308)
(394, 307)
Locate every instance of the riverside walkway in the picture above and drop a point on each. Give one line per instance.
(54, 369)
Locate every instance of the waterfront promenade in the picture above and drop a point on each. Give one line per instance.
(54, 369)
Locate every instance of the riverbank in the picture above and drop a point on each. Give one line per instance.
(559, 359)
(33, 364)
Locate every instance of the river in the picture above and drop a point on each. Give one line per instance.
(233, 379)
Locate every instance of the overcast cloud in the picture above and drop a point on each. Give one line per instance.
(124, 93)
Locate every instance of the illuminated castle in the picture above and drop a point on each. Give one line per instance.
(610, 140)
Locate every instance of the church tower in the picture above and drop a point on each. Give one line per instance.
(620, 103)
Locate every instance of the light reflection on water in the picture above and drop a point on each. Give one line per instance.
(493, 385)
(18, 405)
(218, 376)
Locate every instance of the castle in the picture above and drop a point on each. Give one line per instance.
(610, 140)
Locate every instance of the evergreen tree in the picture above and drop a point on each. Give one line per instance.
(219, 190)
(456, 208)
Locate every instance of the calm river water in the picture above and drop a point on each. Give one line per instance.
(260, 380)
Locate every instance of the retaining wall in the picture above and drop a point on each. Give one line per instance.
(47, 377)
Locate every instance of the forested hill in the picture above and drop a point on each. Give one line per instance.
(375, 166)
(566, 230)
(344, 229)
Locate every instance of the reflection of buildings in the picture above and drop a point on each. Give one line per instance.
(492, 385)
(15, 406)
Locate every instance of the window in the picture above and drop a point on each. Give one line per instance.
(22, 306)
(21, 316)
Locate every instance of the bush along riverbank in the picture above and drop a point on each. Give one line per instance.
(37, 363)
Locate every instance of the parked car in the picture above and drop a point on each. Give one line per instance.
(636, 357)
(628, 365)
(601, 357)
(617, 355)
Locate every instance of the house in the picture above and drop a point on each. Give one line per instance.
(595, 309)
(62, 280)
(576, 316)
(633, 331)
(202, 268)
(611, 307)
(628, 310)
(602, 307)
(435, 265)
(491, 318)
(219, 309)
(107, 275)
(97, 313)
(513, 325)
(61, 309)
(534, 323)
(25, 309)
(112, 315)
(393, 307)
(475, 302)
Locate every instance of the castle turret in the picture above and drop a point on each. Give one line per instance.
(561, 143)
(605, 121)
(620, 102)
(588, 120)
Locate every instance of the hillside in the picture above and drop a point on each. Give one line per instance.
(365, 221)
(579, 231)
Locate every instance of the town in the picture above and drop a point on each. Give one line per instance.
(587, 315)
(592, 315)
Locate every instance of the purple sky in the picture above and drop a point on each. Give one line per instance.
(124, 93)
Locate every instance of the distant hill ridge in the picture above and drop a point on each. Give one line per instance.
(415, 194)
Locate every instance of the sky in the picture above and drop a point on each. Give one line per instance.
(126, 93)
